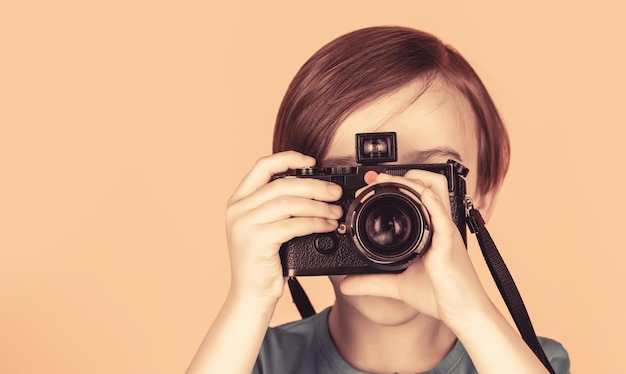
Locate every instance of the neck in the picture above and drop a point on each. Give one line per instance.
(412, 346)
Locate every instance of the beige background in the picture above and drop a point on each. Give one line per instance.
(125, 125)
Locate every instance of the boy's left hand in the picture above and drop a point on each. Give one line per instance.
(442, 283)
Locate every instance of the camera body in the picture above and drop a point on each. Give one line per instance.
(385, 227)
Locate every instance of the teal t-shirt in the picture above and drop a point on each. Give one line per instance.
(305, 347)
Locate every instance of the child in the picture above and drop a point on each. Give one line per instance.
(434, 317)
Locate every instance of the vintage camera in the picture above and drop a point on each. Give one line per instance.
(383, 229)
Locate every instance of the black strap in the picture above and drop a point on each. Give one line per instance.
(506, 285)
(499, 272)
(300, 298)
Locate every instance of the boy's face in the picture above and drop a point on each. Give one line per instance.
(437, 126)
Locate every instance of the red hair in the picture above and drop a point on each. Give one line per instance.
(360, 67)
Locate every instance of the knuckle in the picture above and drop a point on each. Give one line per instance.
(232, 201)
(236, 224)
(292, 225)
(232, 211)
(240, 224)
(280, 187)
(318, 221)
(261, 162)
(283, 203)
(290, 153)
(280, 183)
(412, 174)
(323, 224)
(431, 193)
(440, 180)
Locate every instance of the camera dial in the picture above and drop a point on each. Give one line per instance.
(344, 170)
(307, 171)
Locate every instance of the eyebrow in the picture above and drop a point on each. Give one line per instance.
(414, 157)
(420, 157)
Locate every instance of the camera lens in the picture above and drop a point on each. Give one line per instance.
(389, 226)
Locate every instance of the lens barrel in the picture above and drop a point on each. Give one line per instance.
(388, 226)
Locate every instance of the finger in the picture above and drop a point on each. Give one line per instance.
(419, 180)
(381, 285)
(370, 177)
(285, 207)
(279, 232)
(307, 188)
(439, 214)
(436, 181)
(266, 167)
(414, 184)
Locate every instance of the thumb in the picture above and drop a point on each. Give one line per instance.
(382, 285)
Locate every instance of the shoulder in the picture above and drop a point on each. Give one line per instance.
(557, 355)
(459, 361)
(298, 333)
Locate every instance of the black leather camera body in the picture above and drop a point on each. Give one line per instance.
(383, 229)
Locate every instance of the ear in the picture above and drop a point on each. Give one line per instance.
(486, 202)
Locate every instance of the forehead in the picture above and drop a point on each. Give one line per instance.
(436, 119)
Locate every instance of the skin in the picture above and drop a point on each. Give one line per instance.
(383, 323)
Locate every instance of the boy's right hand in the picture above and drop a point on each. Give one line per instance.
(261, 216)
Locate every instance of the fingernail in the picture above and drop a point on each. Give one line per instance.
(370, 177)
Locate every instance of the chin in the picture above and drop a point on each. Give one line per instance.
(380, 310)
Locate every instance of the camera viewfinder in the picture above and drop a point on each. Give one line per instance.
(372, 148)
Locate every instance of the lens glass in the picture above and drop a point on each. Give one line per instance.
(387, 227)
(391, 226)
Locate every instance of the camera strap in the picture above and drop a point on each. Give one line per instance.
(300, 298)
(499, 272)
(505, 283)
